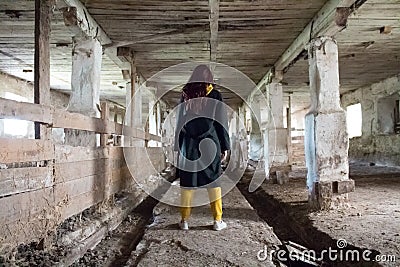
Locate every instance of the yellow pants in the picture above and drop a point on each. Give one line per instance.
(214, 194)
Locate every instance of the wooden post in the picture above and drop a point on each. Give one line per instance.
(105, 113)
(43, 11)
(146, 130)
(133, 91)
(289, 128)
(116, 111)
(214, 16)
(41, 83)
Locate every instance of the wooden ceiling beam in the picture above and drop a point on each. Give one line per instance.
(330, 19)
(155, 36)
(214, 16)
(78, 20)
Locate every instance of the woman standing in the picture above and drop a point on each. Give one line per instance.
(203, 141)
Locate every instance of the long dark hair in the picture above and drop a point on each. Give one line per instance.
(198, 82)
(196, 87)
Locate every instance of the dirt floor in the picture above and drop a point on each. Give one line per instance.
(371, 220)
(273, 214)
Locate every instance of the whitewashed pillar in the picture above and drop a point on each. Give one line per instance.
(85, 80)
(326, 138)
(85, 85)
(277, 134)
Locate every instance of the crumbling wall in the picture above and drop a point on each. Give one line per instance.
(378, 143)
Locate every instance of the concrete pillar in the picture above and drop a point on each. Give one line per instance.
(233, 133)
(133, 115)
(127, 117)
(326, 139)
(137, 117)
(85, 80)
(242, 139)
(264, 121)
(256, 147)
(85, 85)
(276, 134)
(151, 124)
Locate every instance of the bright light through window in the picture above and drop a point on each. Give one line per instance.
(354, 120)
(15, 127)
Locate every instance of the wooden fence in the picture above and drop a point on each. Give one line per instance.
(43, 183)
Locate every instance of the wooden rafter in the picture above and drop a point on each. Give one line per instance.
(154, 37)
(330, 19)
(78, 19)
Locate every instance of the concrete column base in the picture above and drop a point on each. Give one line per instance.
(280, 174)
(330, 195)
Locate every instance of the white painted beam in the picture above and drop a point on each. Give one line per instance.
(214, 16)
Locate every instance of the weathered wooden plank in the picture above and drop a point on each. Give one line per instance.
(24, 150)
(153, 137)
(80, 186)
(68, 171)
(79, 203)
(214, 17)
(19, 180)
(64, 119)
(62, 201)
(77, 17)
(22, 206)
(10, 109)
(65, 153)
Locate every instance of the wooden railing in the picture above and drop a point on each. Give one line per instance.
(43, 183)
(56, 118)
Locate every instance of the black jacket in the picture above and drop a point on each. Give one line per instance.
(200, 137)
